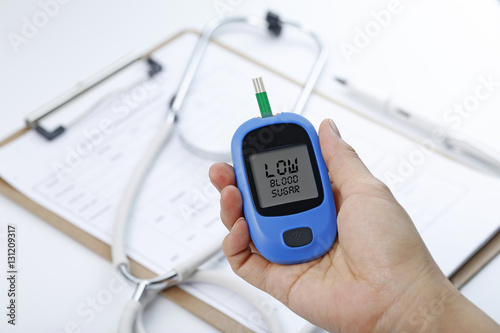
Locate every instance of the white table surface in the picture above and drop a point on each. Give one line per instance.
(57, 275)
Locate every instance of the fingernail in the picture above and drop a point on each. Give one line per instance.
(334, 127)
(237, 221)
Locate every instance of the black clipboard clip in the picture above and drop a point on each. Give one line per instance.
(34, 119)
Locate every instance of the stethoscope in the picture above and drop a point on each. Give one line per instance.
(147, 289)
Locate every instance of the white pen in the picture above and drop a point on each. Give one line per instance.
(452, 141)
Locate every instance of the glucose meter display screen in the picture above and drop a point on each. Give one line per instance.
(283, 175)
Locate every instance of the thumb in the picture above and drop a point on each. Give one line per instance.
(346, 169)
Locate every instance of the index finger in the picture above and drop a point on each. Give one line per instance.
(222, 175)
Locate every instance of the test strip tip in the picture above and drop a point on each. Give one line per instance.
(258, 85)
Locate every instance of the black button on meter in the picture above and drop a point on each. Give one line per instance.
(298, 237)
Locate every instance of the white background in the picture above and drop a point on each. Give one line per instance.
(431, 53)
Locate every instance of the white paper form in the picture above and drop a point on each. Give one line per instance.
(81, 175)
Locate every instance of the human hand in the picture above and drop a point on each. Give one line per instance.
(378, 276)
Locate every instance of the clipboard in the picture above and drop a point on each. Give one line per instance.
(204, 311)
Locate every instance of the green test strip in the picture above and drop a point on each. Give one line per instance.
(260, 92)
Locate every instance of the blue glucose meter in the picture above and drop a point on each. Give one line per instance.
(282, 176)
